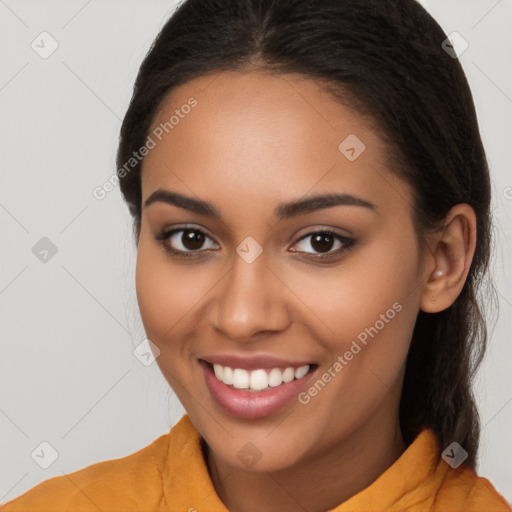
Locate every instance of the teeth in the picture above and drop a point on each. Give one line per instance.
(258, 379)
(227, 376)
(219, 371)
(288, 375)
(240, 379)
(275, 378)
(300, 372)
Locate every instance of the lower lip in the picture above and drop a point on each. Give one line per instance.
(252, 405)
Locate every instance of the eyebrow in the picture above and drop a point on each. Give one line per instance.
(282, 211)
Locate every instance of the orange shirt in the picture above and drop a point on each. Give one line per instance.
(171, 475)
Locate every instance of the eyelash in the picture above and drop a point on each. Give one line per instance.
(163, 237)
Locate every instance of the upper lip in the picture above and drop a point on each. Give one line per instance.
(253, 362)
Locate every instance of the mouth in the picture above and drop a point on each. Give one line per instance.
(257, 391)
(258, 379)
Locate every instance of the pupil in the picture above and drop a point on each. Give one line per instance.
(322, 242)
(192, 239)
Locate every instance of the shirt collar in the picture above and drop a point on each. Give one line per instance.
(411, 480)
(187, 483)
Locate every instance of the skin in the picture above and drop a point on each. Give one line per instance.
(252, 142)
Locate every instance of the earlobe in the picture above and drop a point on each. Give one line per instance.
(453, 249)
(436, 276)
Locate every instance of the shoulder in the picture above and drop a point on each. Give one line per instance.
(473, 492)
(101, 486)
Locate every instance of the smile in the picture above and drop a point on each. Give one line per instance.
(260, 379)
(260, 389)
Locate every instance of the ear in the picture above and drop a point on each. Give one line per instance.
(452, 251)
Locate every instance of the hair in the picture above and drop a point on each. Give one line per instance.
(385, 58)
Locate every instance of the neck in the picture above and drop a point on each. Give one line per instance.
(317, 484)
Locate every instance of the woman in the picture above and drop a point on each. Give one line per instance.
(311, 205)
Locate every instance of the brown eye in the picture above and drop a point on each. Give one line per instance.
(322, 242)
(192, 239)
(185, 240)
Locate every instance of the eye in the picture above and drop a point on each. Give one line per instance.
(323, 242)
(189, 242)
(184, 241)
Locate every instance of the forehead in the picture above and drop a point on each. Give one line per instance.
(256, 135)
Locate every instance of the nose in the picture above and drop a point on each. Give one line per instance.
(250, 301)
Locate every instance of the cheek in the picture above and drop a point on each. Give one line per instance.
(347, 299)
(168, 294)
(364, 313)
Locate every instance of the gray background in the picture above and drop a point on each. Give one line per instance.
(69, 325)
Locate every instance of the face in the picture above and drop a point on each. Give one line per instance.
(306, 311)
